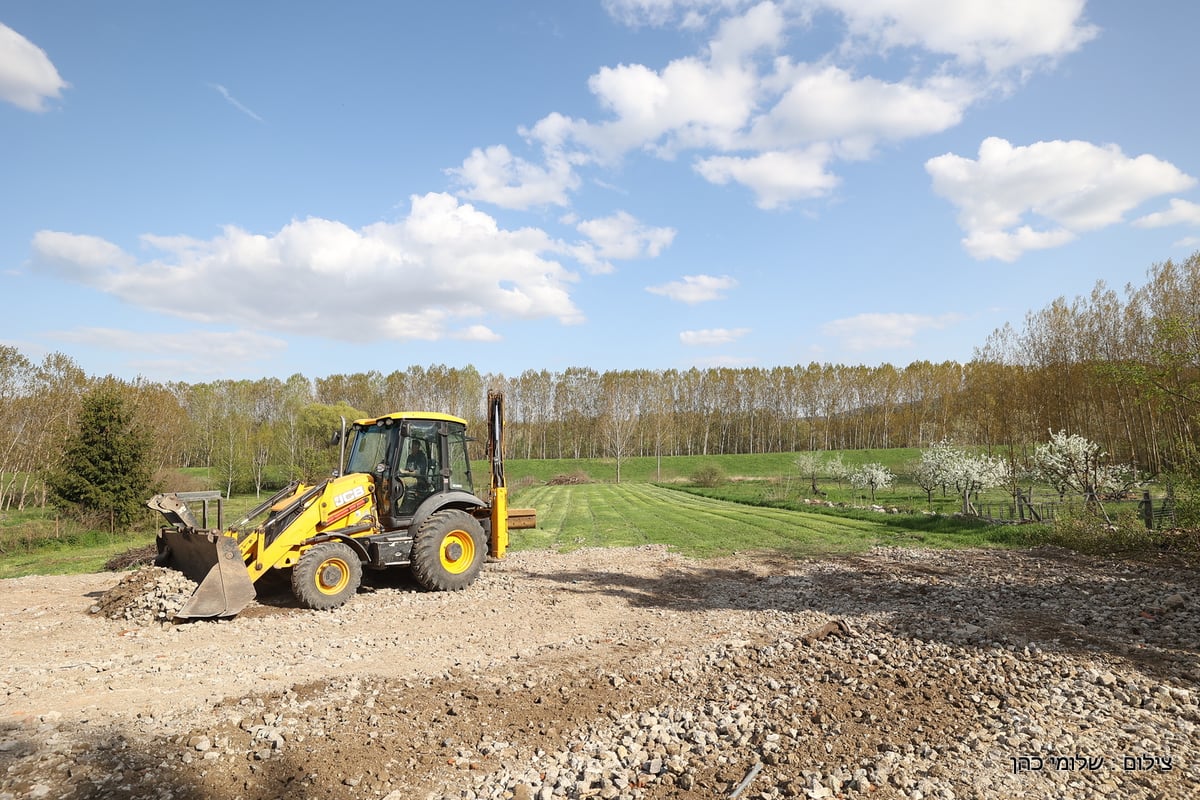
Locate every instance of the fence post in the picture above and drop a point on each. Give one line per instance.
(1146, 507)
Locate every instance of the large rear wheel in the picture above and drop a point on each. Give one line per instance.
(448, 551)
(327, 576)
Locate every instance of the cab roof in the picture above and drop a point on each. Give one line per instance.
(412, 415)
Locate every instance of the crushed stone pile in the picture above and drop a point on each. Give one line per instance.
(146, 596)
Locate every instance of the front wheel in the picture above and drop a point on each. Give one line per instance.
(448, 551)
(327, 576)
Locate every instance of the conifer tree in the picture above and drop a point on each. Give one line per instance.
(104, 472)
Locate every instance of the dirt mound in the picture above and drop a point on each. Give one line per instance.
(134, 557)
(568, 480)
(146, 596)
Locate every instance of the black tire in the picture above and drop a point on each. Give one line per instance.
(327, 576)
(448, 551)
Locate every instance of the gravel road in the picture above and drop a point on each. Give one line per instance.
(624, 673)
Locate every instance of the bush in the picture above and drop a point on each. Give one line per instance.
(709, 476)
(1088, 532)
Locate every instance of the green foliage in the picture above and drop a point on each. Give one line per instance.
(318, 422)
(708, 475)
(104, 472)
(1088, 531)
(1183, 487)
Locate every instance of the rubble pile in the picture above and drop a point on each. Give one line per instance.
(146, 596)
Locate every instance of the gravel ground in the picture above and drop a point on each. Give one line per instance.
(631, 673)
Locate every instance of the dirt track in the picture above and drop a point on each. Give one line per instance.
(625, 673)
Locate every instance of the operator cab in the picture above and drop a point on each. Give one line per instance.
(412, 457)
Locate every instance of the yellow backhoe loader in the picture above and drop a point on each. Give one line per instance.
(403, 497)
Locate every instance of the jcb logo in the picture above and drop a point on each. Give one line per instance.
(348, 496)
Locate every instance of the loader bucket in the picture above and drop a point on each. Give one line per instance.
(215, 562)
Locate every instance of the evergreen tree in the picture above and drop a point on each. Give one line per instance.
(104, 471)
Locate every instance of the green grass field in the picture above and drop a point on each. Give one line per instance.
(759, 508)
(611, 515)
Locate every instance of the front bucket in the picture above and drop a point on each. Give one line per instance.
(215, 562)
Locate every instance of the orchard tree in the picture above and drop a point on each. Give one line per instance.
(943, 464)
(934, 468)
(809, 464)
(872, 476)
(1072, 463)
(105, 469)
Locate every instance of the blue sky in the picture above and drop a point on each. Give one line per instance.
(195, 191)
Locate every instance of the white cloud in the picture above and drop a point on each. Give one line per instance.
(477, 333)
(712, 336)
(997, 34)
(695, 289)
(27, 76)
(872, 331)
(690, 104)
(1180, 212)
(1070, 186)
(432, 275)
(621, 236)
(827, 103)
(494, 175)
(776, 178)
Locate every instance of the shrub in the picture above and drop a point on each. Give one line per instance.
(1088, 532)
(709, 476)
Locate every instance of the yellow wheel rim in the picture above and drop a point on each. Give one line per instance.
(332, 576)
(457, 552)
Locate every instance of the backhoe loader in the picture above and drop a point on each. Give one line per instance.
(402, 497)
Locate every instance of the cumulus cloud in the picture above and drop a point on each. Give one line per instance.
(434, 274)
(712, 336)
(28, 79)
(996, 34)
(751, 113)
(1068, 187)
(494, 175)
(874, 331)
(828, 104)
(776, 178)
(695, 289)
(622, 236)
(1180, 212)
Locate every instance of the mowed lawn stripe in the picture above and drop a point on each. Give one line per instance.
(591, 515)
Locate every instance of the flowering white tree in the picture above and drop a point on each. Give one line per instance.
(972, 474)
(1072, 463)
(809, 465)
(837, 469)
(943, 464)
(933, 469)
(872, 476)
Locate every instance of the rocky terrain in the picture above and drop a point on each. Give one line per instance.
(631, 673)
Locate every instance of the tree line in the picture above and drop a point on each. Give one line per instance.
(1122, 370)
